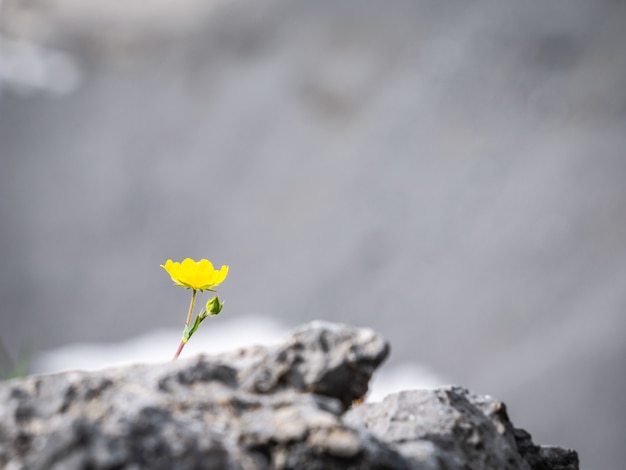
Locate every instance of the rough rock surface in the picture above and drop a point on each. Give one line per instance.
(263, 407)
(452, 428)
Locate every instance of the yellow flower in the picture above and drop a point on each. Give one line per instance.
(196, 275)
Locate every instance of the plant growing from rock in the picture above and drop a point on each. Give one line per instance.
(197, 276)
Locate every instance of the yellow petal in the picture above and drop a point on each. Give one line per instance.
(172, 269)
(220, 275)
(205, 271)
(188, 272)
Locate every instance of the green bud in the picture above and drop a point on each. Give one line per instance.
(214, 306)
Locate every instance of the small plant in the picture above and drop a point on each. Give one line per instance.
(10, 369)
(197, 276)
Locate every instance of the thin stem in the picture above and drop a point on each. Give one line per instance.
(191, 306)
(187, 323)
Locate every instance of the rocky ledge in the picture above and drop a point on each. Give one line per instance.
(288, 406)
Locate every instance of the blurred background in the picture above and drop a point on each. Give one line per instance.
(450, 173)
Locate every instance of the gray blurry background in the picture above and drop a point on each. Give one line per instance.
(450, 173)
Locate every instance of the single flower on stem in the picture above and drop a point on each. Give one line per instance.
(197, 276)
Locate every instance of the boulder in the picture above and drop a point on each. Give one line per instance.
(288, 406)
(452, 428)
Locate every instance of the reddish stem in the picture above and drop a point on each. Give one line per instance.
(180, 348)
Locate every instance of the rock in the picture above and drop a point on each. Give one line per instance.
(545, 457)
(452, 428)
(321, 357)
(278, 407)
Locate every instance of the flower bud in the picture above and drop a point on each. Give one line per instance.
(214, 306)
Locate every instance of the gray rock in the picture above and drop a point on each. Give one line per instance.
(320, 357)
(451, 428)
(278, 407)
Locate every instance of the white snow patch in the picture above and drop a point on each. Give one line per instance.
(217, 336)
(160, 345)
